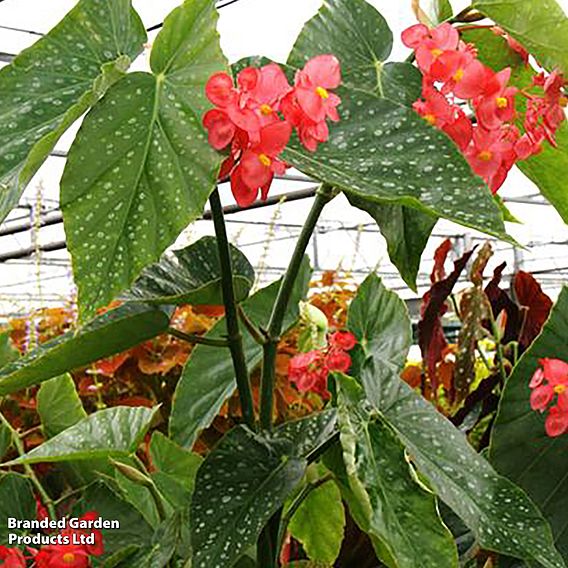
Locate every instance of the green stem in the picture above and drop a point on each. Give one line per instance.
(151, 486)
(324, 194)
(499, 347)
(254, 332)
(231, 316)
(30, 473)
(201, 340)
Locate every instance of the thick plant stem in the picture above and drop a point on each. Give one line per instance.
(231, 315)
(323, 196)
(198, 339)
(30, 473)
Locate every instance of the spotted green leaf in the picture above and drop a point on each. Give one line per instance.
(520, 448)
(499, 513)
(244, 480)
(319, 524)
(111, 432)
(208, 378)
(17, 501)
(541, 26)
(400, 516)
(58, 405)
(381, 150)
(141, 169)
(115, 331)
(192, 276)
(51, 84)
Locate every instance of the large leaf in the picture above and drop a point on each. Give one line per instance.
(51, 84)
(400, 516)
(16, 501)
(115, 331)
(8, 352)
(208, 377)
(382, 150)
(192, 276)
(520, 448)
(111, 432)
(58, 405)
(244, 480)
(540, 25)
(500, 514)
(319, 524)
(141, 169)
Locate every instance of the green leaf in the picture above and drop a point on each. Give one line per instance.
(500, 514)
(437, 11)
(111, 432)
(51, 84)
(164, 544)
(5, 440)
(141, 169)
(134, 530)
(548, 170)
(540, 26)
(244, 480)
(176, 469)
(406, 232)
(381, 150)
(319, 523)
(8, 352)
(520, 448)
(192, 276)
(401, 517)
(58, 405)
(115, 331)
(208, 378)
(17, 501)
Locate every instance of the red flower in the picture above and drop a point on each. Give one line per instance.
(338, 360)
(308, 372)
(547, 382)
(259, 164)
(461, 74)
(430, 45)
(312, 88)
(62, 556)
(12, 557)
(343, 340)
(98, 548)
(496, 105)
(513, 44)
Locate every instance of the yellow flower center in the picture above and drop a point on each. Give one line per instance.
(485, 155)
(68, 558)
(559, 389)
(430, 119)
(458, 75)
(501, 102)
(436, 52)
(264, 160)
(563, 101)
(265, 109)
(322, 92)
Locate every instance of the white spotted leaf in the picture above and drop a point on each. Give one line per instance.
(50, 85)
(112, 432)
(520, 447)
(381, 150)
(141, 169)
(192, 275)
(208, 378)
(499, 513)
(400, 516)
(244, 480)
(112, 332)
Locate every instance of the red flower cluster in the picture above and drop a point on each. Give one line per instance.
(453, 74)
(247, 119)
(12, 558)
(309, 371)
(547, 382)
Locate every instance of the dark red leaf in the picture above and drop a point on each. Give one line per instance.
(501, 301)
